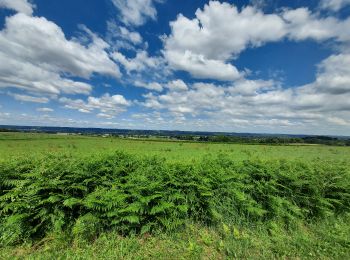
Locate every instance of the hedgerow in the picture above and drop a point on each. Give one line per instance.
(129, 194)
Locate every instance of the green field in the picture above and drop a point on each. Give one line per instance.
(81, 197)
(21, 144)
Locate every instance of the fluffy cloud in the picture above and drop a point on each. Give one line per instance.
(25, 75)
(220, 30)
(194, 101)
(136, 12)
(201, 67)
(323, 104)
(334, 5)
(43, 42)
(139, 63)
(301, 24)
(21, 6)
(177, 85)
(151, 86)
(206, 45)
(45, 109)
(36, 56)
(330, 92)
(121, 37)
(334, 75)
(108, 106)
(26, 98)
(252, 87)
(134, 37)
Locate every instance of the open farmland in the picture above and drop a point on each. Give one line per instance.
(167, 129)
(33, 144)
(92, 197)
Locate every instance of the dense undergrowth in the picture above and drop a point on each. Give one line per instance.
(84, 199)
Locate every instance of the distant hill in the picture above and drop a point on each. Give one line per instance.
(260, 138)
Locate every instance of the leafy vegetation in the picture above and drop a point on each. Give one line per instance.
(129, 195)
(326, 239)
(130, 206)
(272, 140)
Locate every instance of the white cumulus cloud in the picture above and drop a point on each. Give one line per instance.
(120, 36)
(334, 5)
(206, 45)
(107, 105)
(21, 6)
(151, 85)
(136, 12)
(36, 56)
(177, 85)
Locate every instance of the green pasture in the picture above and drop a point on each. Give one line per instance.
(32, 144)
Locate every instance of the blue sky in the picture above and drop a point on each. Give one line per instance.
(241, 66)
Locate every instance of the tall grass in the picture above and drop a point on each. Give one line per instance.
(138, 195)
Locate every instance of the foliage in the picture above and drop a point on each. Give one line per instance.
(275, 140)
(324, 239)
(139, 195)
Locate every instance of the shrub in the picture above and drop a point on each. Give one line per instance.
(137, 195)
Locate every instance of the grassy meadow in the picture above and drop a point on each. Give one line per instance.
(80, 197)
(32, 144)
